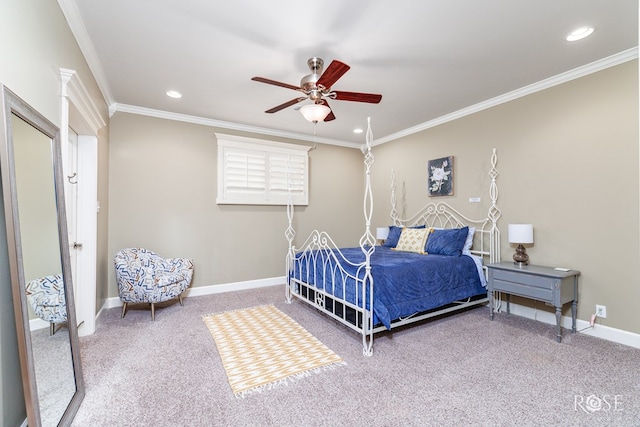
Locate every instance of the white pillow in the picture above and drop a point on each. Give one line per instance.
(466, 249)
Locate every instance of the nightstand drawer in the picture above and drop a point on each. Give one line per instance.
(525, 279)
(523, 289)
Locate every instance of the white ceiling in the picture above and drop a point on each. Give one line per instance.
(430, 59)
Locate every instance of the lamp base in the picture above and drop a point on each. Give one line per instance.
(520, 257)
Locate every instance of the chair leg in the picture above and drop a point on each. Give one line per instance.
(124, 310)
(153, 311)
(180, 298)
(52, 328)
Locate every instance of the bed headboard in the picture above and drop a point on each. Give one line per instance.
(486, 241)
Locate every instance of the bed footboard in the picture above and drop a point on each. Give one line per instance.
(321, 275)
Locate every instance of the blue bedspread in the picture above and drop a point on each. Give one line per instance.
(404, 283)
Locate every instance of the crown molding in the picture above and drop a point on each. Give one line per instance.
(611, 61)
(125, 108)
(74, 19)
(73, 88)
(602, 64)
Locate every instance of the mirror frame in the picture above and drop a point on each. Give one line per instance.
(13, 105)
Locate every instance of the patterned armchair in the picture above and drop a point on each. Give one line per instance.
(144, 276)
(46, 297)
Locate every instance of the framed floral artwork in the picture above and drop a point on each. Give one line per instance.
(440, 180)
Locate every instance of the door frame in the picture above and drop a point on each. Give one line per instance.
(78, 111)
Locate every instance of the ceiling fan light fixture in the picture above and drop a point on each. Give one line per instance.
(315, 112)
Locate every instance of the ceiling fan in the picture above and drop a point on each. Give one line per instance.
(317, 87)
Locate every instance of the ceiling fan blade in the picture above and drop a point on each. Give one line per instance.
(331, 75)
(357, 96)
(275, 83)
(285, 105)
(330, 116)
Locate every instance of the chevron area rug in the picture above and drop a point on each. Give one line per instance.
(262, 347)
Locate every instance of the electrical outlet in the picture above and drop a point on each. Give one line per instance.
(601, 311)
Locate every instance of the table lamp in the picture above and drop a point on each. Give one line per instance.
(382, 233)
(521, 234)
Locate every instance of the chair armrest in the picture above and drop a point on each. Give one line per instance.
(48, 300)
(167, 279)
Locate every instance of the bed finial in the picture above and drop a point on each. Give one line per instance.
(290, 232)
(494, 211)
(368, 245)
(367, 241)
(394, 211)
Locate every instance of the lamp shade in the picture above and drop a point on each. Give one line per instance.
(382, 233)
(520, 233)
(315, 112)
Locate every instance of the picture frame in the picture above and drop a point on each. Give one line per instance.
(440, 177)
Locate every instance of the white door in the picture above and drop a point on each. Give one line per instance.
(81, 204)
(71, 195)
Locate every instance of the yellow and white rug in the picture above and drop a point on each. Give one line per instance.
(262, 347)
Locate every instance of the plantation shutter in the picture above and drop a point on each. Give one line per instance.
(259, 172)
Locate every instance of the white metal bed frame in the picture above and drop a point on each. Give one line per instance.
(319, 245)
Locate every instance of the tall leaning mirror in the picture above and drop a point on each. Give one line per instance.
(32, 187)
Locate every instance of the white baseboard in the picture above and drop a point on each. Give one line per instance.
(582, 326)
(212, 289)
(37, 323)
(600, 331)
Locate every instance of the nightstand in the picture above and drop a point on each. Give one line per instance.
(546, 284)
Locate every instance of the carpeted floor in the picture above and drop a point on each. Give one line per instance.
(54, 371)
(452, 371)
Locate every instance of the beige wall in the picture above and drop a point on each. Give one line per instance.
(104, 263)
(36, 42)
(35, 188)
(162, 196)
(568, 162)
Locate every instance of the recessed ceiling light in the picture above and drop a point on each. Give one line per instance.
(174, 94)
(358, 130)
(579, 34)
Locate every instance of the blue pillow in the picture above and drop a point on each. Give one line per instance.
(394, 235)
(447, 242)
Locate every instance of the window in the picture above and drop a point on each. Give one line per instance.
(259, 172)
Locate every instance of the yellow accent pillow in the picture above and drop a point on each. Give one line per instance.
(413, 240)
